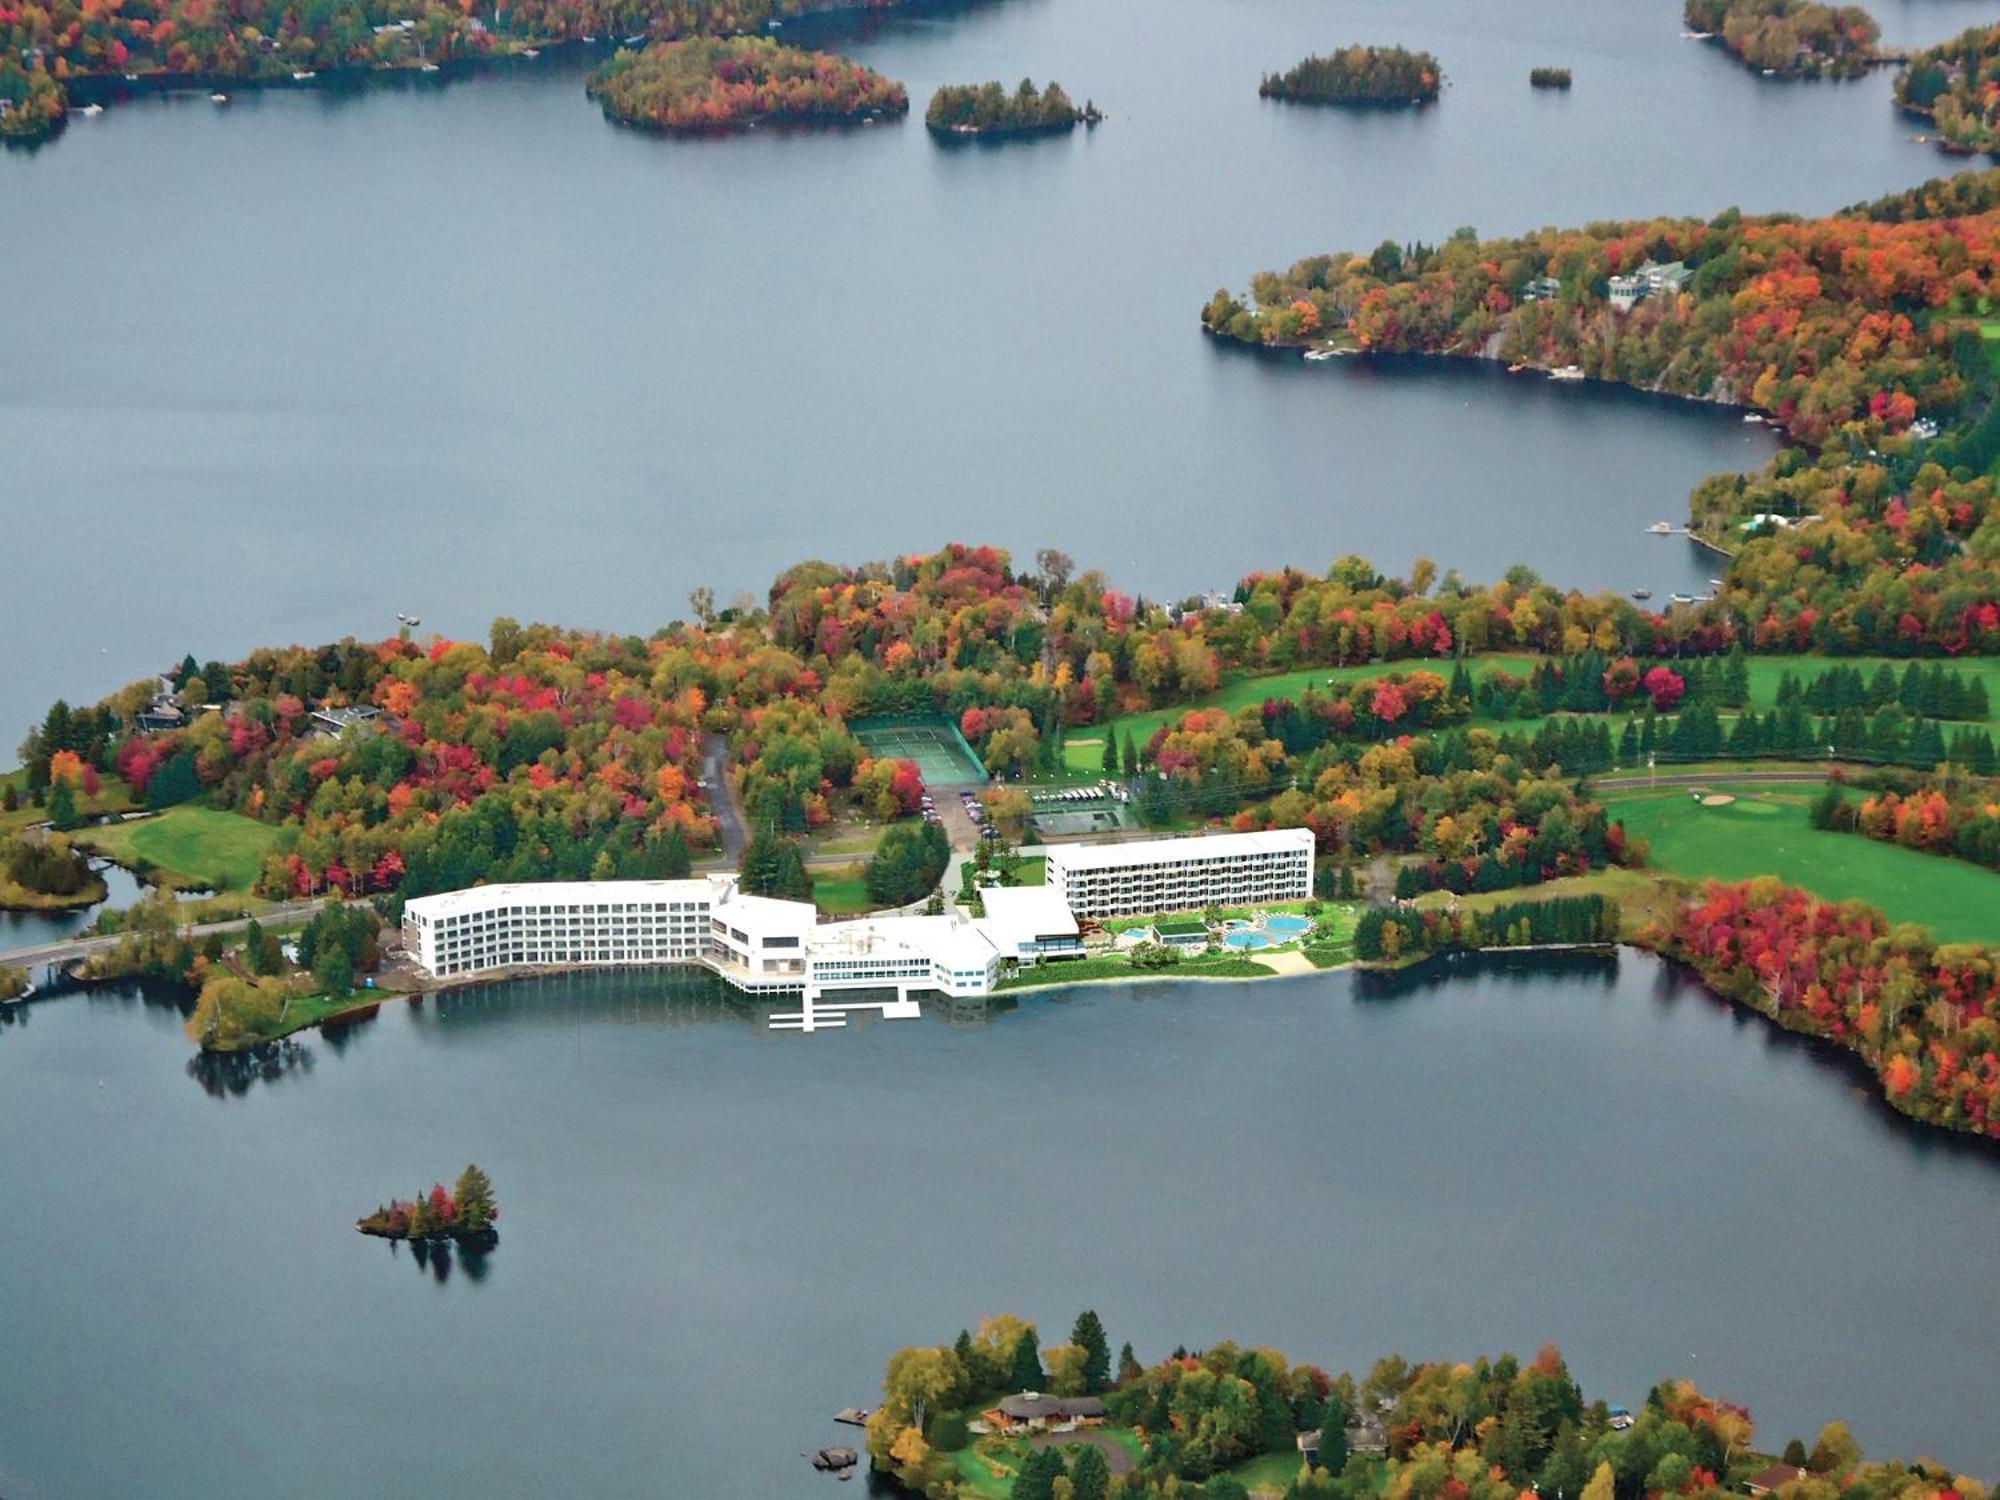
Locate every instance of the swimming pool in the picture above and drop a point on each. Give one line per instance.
(1242, 939)
(1287, 926)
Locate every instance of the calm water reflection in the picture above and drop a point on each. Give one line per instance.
(713, 1233)
(468, 350)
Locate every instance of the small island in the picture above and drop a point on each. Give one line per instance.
(1548, 78)
(1956, 86)
(995, 1413)
(465, 1212)
(46, 873)
(1790, 38)
(729, 83)
(987, 109)
(1387, 77)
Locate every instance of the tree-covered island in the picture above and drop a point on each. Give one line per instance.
(724, 83)
(987, 109)
(1794, 38)
(994, 1416)
(1549, 78)
(1385, 76)
(465, 1212)
(46, 45)
(1956, 86)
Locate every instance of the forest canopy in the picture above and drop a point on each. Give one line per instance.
(1798, 37)
(709, 83)
(1358, 75)
(1956, 85)
(987, 108)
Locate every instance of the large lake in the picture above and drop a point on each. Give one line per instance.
(714, 1234)
(280, 370)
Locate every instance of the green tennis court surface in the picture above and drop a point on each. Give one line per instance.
(941, 754)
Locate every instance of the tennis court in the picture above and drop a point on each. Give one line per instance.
(942, 756)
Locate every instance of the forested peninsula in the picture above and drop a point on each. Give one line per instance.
(995, 1412)
(1956, 86)
(724, 83)
(988, 109)
(1794, 38)
(1388, 76)
(46, 45)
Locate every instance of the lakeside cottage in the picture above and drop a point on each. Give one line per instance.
(1653, 279)
(1033, 1411)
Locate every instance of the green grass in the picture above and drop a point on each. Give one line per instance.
(1082, 753)
(842, 892)
(195, 847)
(1766, 833)
(113, 796)
(1077, 970)
(976, 1480)
(1642, 895)
(1272, 1471)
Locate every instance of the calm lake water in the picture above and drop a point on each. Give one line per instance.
(713, 1234)
(465, 349)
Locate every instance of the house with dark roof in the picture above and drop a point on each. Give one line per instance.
(1766, 1480)
(1033, 1409)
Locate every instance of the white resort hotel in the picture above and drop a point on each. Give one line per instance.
(765, 946)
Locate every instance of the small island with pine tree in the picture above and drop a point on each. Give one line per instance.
(987, 109)
(464, 1212)
(1379, 77)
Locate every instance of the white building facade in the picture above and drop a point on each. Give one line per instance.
(1165, 875)
(764, 946)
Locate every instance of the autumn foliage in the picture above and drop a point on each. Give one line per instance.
(713, 83)
(1924, 1016)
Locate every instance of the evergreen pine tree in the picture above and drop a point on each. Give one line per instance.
(63, 815)
(1130, 755)
(1025, 1374)
(1088, 1334)
(474, 1193)
(1108, 762)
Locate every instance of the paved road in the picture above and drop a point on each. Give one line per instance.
(68, 950)
(722, 799)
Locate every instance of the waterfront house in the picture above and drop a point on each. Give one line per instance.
(1764, 1481)
(1308, 1445)
(1541, 289)
(1653, 279)
(1034, 1411)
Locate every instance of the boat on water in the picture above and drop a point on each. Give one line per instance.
(91, 111)
(1715, 583)
(1319, 354)
(1661, 528)
(429, 68)
(1642, 593)
(1517, 367)
(531, 53)
(218, 98)
(410, 620)
(1566, 372)
(1681, 598)
(303, 75)
(1755, 419)
(636, 39)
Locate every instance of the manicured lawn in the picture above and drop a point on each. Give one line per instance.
(1273, 1471)
(1765, 832)
(842, 892)
(1641, 897)
(113, 796)
(1076, 970)
(1083, 751)
(194, 846)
